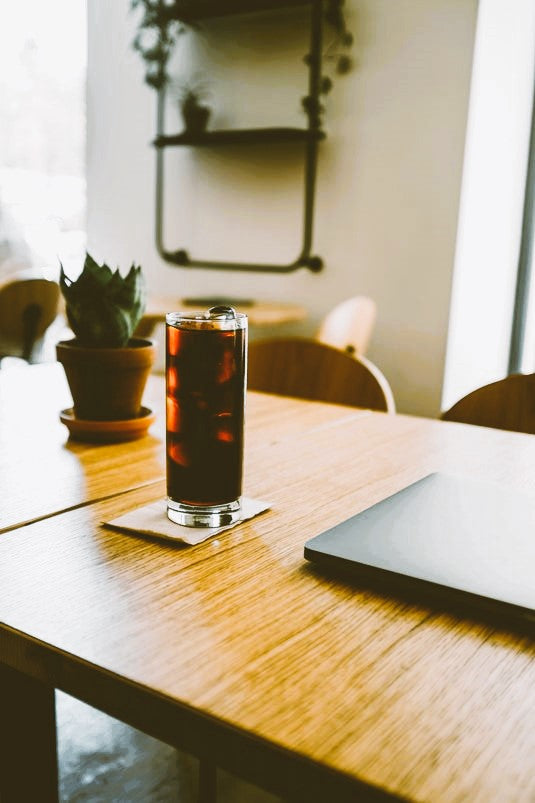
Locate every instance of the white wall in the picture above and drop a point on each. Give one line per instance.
(490, 220)
(389, 172)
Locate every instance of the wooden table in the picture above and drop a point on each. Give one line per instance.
(240, 652)
(260, 313)
(44, 472)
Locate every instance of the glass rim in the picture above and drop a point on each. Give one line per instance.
(198, 320)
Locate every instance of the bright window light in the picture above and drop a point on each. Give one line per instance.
(42, 135)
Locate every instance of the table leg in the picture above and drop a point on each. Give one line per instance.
(207, 781)
(28, 755)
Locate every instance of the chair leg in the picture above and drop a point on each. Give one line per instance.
(30, 323)
(207, 781)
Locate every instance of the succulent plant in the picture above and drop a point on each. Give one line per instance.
(102, 307)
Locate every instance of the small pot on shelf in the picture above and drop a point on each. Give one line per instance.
(194, 104)
(194, 113)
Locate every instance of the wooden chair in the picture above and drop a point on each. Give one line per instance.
(349, 325)
(27, 308)
(308, 369)
(508, 404)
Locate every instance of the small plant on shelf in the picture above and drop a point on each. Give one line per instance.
(162, 22)
(105, 364)
(192, 97)
(336, 52)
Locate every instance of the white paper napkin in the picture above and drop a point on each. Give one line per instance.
(152, 520)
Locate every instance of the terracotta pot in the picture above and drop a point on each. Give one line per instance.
(107, 384)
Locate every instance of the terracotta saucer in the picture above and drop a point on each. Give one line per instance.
(108, 431)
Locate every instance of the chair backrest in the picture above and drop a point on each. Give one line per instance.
(27, 308)
(349, 325)
(507, 404)
(308, 369)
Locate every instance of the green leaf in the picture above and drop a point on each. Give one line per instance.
(103, 308)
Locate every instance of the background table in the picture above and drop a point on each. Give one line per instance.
(259, 313)
(239, 650)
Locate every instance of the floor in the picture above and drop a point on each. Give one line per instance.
(101, 760)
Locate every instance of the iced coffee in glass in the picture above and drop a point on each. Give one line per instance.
(206, 364)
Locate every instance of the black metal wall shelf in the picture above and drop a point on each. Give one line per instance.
(205, 9)
(243, 136)
(308, 137)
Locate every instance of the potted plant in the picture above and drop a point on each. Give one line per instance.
(106, 367)
(192, 97)
(194, 113)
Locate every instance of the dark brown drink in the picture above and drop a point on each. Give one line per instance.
(206, 364)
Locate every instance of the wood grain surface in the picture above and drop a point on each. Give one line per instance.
(43, 472)
(247, 640)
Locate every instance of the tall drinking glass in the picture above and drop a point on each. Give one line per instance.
(206, 365)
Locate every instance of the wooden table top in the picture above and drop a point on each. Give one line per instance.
(44, 472)
(244, 638)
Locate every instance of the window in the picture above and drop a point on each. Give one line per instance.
(492, 199)
(42, 135)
